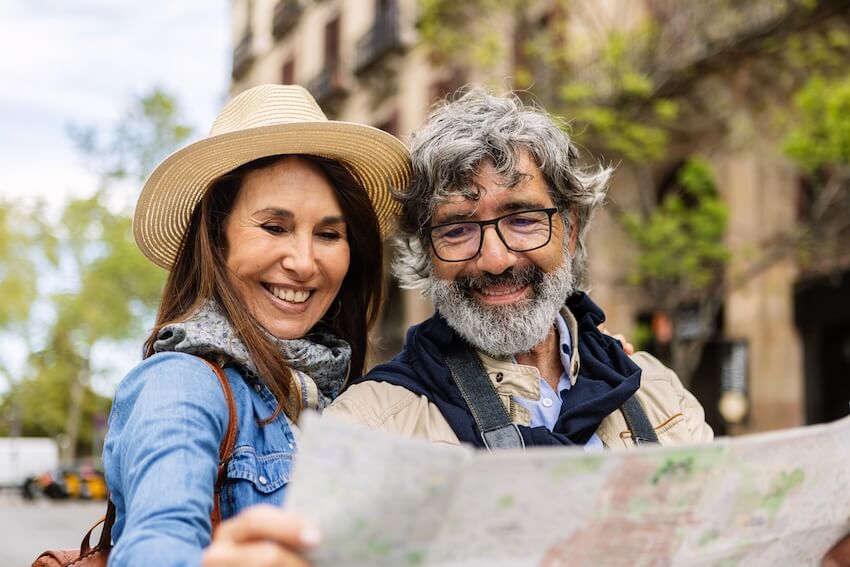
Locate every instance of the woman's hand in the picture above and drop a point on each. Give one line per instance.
(628, 347)
(262, 536)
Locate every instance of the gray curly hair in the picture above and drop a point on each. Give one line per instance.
(448, 149)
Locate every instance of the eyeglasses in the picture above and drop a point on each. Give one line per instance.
(520, 232)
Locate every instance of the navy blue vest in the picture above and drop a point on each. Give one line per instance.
(607, 378)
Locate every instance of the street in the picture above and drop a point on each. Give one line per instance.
(29, 528)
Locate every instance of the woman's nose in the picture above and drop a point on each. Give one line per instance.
(299, 258)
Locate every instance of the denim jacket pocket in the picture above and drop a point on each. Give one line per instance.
(254, 479)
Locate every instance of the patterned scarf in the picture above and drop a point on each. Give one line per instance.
(319, 361)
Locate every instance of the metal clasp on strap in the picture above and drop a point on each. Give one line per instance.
(505, 437)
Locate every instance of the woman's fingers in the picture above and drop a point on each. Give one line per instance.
(628, 347)
(256, 554)
(261, 535)
(264, 522)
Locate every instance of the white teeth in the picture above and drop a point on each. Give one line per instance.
(289, 295)
(501, 292)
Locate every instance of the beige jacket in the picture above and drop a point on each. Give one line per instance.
(674, 412)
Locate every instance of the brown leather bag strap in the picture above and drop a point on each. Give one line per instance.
(105, 540)
(228, 443)
(225, 452)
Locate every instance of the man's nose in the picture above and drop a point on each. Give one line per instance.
(494, 257)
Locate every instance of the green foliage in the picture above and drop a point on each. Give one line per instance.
(821, 135)
(450, 27)
(681, 243)
(148, 131)
(43, 396)
(108, 291)
(18, 271)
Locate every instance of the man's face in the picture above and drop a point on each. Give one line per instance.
(501, 301)
(495, 258)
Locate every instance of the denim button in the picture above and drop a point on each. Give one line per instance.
(547, 403)
(258, 387)
(499, 376)
(263, 480)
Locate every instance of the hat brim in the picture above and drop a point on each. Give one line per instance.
(379, 160)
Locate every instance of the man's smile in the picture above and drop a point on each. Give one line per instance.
(496, 294)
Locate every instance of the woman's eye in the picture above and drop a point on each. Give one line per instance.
(273, 228)
(330, 235)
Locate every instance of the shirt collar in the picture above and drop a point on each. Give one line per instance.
(567, 327)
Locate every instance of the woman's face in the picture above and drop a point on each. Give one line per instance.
(287, 247)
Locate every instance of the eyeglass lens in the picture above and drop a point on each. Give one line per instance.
(520, 232)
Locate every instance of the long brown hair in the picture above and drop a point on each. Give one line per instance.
(199, 273)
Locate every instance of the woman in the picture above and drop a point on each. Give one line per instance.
(274, 259)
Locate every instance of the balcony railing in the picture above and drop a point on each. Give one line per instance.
(382, 38)
(286, 14)
(328, 84)
(243, 55)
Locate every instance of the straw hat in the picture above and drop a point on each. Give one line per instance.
(263, 121)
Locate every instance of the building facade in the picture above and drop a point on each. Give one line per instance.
(782, 342)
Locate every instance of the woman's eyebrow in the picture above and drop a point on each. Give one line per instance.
(335, 219)
(276, 211)
(287, 214)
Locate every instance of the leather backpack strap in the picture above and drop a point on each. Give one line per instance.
(225, 452)
(228, 443)
(104, 543)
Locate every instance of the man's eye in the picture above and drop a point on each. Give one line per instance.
(457, 231)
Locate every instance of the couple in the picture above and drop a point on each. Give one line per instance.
(271, 231)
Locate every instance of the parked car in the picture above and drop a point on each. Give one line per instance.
(79, 481)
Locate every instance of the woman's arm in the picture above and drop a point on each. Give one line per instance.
(161, 454)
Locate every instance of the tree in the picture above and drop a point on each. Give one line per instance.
(649, 83)
(111, 289)
(819, 142)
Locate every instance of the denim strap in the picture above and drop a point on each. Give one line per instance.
(494, 423)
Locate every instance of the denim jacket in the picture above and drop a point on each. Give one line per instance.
(167, 421)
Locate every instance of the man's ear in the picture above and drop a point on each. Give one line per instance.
(571, 244)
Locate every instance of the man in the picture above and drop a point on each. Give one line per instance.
(493, 231)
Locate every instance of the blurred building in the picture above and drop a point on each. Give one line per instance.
(782, 339)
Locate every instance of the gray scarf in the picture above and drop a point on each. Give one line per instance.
(320, 361)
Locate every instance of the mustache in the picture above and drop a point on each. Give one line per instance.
(511, 277)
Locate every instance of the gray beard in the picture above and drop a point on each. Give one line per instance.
(504, 330)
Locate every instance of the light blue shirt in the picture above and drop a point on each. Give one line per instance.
(545, 411)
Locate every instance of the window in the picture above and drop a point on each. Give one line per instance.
(287, 74)
(390, 126)
(332, 43)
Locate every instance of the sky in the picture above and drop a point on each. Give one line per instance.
(83, 62)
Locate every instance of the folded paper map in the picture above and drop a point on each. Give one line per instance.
(780, 498)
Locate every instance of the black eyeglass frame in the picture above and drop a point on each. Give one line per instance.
(426, 232)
